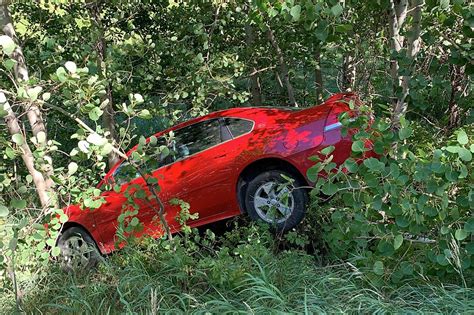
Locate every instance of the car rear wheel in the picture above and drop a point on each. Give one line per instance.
(271, 198)
(78, 250)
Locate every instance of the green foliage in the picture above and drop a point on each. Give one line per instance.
(398, 217)
(411, 205)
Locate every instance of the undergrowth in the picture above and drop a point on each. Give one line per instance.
(247, 270)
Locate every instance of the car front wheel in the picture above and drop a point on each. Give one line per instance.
(272, 198)
(78, 250)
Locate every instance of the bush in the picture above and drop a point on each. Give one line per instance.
(408, 213)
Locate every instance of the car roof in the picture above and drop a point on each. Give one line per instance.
(252, 113)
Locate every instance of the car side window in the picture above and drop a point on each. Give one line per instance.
(125, 173)
(196, 138)
(156, 159)
(185, 142)
(238, 126)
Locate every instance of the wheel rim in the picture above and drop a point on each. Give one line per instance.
(76, 253)
(273, 203)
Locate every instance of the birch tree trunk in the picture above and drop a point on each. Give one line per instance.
(42, 180)
(457, 77)
(318, 75)
(283, 67)
(398, 13)
(108, 117)
(348, 73)
(13, 125)
(255, 89)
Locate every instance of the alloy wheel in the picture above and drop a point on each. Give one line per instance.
(273, 202)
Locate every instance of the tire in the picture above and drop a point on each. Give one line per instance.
(78, 250)
(268, 199)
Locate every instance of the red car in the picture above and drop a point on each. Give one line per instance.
(227, 163)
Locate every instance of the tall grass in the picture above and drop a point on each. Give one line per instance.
(238, 276)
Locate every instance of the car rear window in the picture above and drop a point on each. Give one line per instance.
(238, 127)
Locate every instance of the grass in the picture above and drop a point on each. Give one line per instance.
(317, 290)
(232, 277)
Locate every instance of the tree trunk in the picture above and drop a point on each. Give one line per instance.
(43, 182)
(457, 76)
(318, 75)
(398, 14)
(13, 126)
(108, 117)
(255, 89)
(348, 73)
(283, 67)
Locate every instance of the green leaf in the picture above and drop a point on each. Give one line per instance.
(313, 172)
(134, 221)
(405, 133)
(34, 92)
(398, 241)
(358, 146)
(106, 149)
(8, 44)
(18, 139)
(63, 218)
(55, 251)
(144, 114)
(138, 98)
(469, 225)
(41, 137)
(72, 168)
(465, 154)
(453, 148)
(460, 234)
(351, 165)
(374, 165)
(46, 96)
(296, 12)
(95, 113)
(337, 10)
(96, 139)
(9, 63)
(329, 188)
(3, 211)
(61, 74)
(83, 146)
(327, 150)
(462, 137)
(18, 203)
(402, 221)
(71, 66)
(378, 268)
(444, 4)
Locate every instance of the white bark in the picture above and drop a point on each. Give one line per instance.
(42, 181)
(399, 11)
(348, 73)
(13, 126)
(108, 118)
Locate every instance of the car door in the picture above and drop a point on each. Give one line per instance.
(199, 176)
(128, 181)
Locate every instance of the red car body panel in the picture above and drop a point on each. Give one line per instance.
(208, 179)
